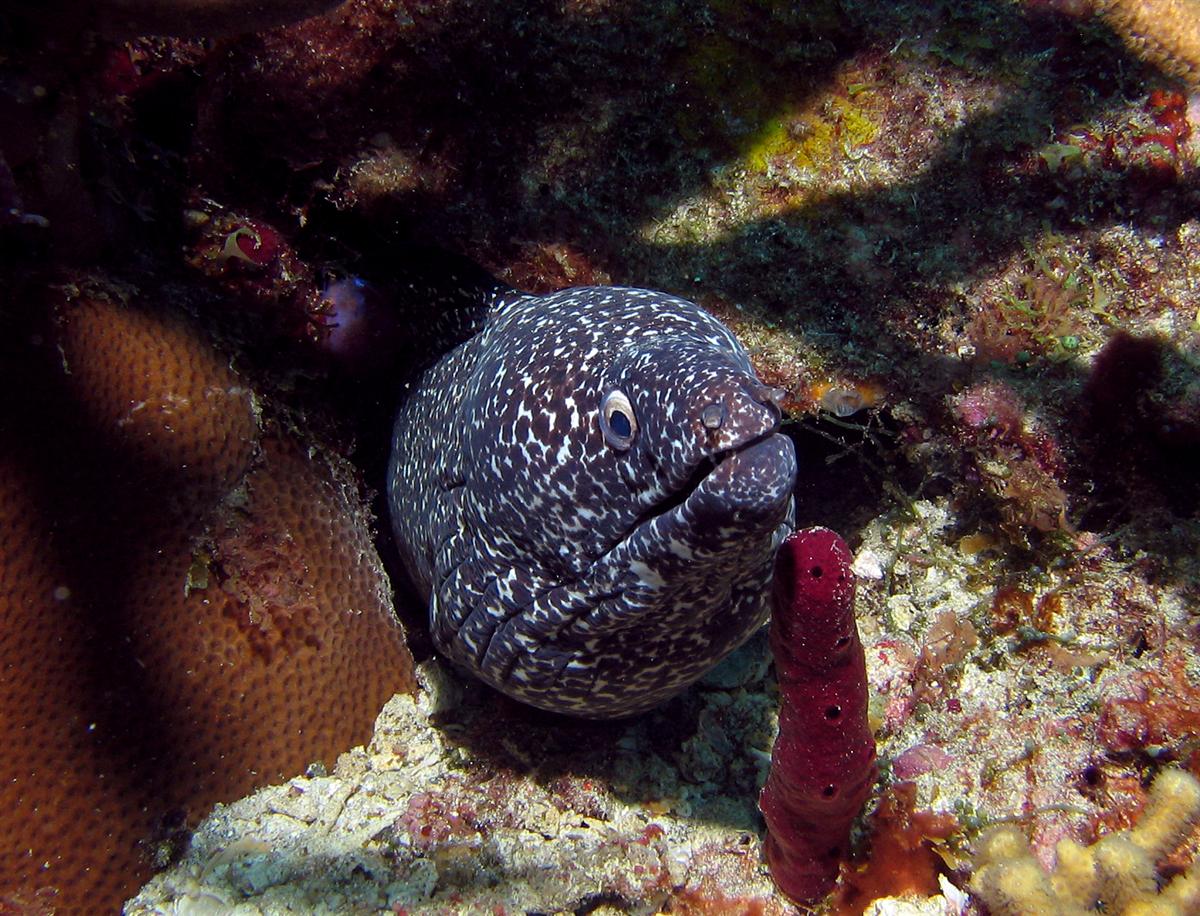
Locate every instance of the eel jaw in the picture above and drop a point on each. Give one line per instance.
(753, 478)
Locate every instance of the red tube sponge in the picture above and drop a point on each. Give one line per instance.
(823, 762)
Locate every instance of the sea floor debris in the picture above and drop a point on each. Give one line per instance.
(416, 822)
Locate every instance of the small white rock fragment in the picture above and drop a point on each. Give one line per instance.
(867, 564)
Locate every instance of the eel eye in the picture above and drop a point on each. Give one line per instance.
(617, 421)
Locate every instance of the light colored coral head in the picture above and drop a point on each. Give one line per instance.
(1174, 807)
(1126, 872)
(1001, 844)
(1165, 33)
(1015, 887)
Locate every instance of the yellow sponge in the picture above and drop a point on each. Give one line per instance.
(1076, 880)
(1115, 876)
(1173, 808)
(1126, 872)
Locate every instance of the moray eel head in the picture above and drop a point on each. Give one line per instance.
(606, 517)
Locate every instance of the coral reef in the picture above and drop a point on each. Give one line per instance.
(1150, 709)
(822, 763)
(1116, 874)
(190, 601)
(1019, 464)
(907, 854)
(1165, 32)
(963, 235)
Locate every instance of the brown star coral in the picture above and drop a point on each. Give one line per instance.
(190, 601)
(1114, 875)
(1165, 32)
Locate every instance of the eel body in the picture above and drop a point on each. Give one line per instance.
(591, 490)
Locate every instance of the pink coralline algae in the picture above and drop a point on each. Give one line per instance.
(823, 762)
(1020, 464)
(920, 759)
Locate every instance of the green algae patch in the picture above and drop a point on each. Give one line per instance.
(742, 63)
(771, 113)
(791, 163)
(811, 141)
(198, 574)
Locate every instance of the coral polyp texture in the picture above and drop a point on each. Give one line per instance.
(822, 763)
(1117, 874)
(1165, 32)
(190, 602)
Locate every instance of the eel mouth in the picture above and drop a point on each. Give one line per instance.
(752, 479)
(755, 479)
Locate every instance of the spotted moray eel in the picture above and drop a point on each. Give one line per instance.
(591, 490)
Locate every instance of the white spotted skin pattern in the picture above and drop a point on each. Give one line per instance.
(566, 572)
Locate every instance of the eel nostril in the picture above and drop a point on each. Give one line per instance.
(713, 415)
(776, 396)
(768, 394)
